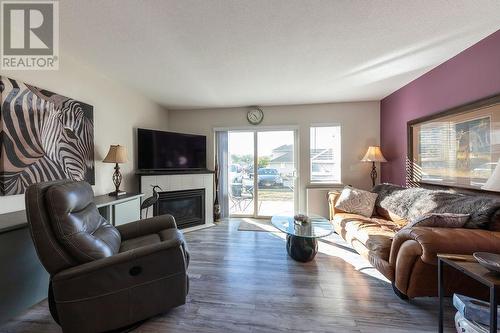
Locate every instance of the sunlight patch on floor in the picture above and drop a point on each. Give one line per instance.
(332, 246)
(344, 252)
(267, 226)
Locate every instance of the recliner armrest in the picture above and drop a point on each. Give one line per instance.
(445, 240)
(117, 259)
(147, 226)
(122, 271)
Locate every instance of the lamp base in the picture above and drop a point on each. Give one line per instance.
(117, 180)
(116, 193)
(373, 174)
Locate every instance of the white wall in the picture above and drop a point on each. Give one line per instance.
(118, 111)
(360, 123)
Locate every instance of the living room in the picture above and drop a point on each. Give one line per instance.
(249, 166)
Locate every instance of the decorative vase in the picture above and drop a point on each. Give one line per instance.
(301, 219)
(216, 212)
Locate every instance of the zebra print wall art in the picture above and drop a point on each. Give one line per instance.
(43, 136)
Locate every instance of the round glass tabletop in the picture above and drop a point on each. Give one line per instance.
(317, 227)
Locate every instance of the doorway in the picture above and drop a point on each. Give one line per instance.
(262, 169)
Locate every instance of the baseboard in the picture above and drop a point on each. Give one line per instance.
(198, 227)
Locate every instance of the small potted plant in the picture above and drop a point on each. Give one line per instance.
(301, 219)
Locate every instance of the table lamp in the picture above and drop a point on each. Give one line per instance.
(493, 183)
(116, 154)
(374, 154)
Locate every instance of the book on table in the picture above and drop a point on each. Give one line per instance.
(473, 309)
(463, 325)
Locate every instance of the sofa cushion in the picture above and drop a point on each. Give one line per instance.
(374, 233)
(353, 200)
(388, 215)
(77, 224)
(412, 203)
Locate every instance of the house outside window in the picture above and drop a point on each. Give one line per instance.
(282, 159)
(325, 154)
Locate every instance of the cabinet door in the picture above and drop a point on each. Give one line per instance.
(126, 212)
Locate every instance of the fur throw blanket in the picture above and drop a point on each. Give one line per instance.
(411, 203)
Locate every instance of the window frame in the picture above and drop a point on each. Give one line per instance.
(328, 182)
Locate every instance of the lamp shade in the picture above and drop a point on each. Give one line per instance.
(493, 183)
(374, 154)
(116, 154)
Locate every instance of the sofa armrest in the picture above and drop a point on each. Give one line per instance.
(147, 226)
(444, 240)
(333, 196)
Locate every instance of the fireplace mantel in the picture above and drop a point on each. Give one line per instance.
(181, 182)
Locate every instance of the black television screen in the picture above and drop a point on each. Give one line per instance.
(158, 150)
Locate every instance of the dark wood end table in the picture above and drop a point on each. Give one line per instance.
(469, 266)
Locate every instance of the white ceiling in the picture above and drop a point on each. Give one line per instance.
(221, 53)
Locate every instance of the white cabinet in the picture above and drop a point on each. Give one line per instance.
(127, 211)
(120, 210)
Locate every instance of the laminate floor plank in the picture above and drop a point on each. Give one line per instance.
(244, 282)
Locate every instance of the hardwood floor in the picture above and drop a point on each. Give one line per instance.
(244, 281)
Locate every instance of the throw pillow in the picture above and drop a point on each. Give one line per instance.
(440, 220)
(356, 201)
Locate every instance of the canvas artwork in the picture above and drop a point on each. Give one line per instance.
(473, 143)
(43, 136)
(458, 147)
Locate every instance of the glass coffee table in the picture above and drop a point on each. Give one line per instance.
(302, 238)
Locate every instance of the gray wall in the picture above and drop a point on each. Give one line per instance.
(23, 279)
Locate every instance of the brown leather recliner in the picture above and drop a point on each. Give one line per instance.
(103, 278)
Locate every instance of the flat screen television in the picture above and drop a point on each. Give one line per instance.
(168, 151)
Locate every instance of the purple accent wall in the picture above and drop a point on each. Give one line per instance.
(469, 76)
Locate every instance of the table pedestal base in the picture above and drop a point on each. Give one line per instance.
(301, 248)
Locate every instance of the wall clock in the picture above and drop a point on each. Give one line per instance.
(255, 115)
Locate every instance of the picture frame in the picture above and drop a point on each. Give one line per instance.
(456, 148)
(44, 136)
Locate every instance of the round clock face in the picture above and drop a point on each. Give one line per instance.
(255, 116)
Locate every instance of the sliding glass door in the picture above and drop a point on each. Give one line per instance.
(241, 155)
(262, 172)
(276, 173)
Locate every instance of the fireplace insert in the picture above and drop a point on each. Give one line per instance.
(187, 207)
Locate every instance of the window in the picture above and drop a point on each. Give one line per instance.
(325, 154)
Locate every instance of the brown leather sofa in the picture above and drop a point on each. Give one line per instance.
(104, 278)
(407, 256)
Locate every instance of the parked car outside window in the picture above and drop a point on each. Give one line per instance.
(269, 177)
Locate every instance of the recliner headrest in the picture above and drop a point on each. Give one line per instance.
(77, 224)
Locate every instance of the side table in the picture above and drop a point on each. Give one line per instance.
(469, 266)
